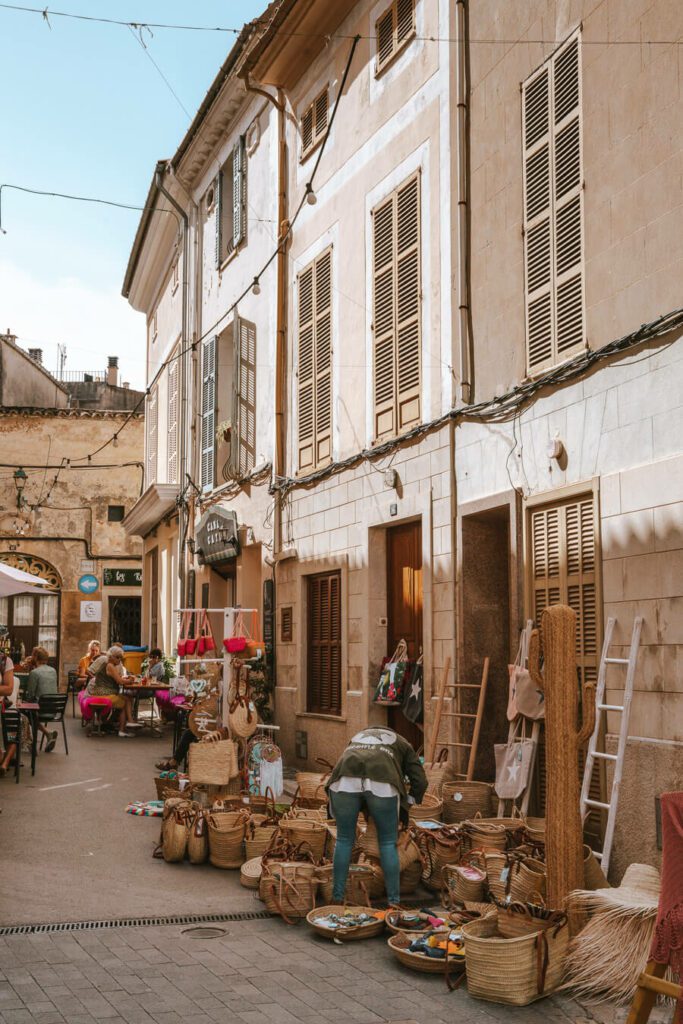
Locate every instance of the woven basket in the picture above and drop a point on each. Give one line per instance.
(366, 931)
(410, 878)
(308, 813)
(311, 785)
(331, 841)
(375, 881)
(226, 838)
(516, 918)
(197, 836)
(439, 849)
(505, 970)
(528, 876)
(486, 836)
(250, 873)
(258, 837)
(418, 961)
(166, 786)
(441, 770)
(288, 888)
(170, 804)
(430, 809)
(213, 764)
(464, 882)
(358, 884)
(303, 830)
(462, 800)
(174, 836)
(536, 829)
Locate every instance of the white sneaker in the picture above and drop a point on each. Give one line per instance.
(124, 735)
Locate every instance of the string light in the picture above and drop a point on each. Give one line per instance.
(115, 441)
(256, 287)
(311, 197)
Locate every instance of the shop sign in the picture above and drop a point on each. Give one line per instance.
(88, 584)
(122, 577)
(217, 539)
(91, 611)
(88, 565)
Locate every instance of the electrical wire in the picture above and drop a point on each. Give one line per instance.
(80, 199)
(46, 13)
(137, 36)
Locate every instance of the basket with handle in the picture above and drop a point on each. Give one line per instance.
(213, 764)
(311, 785)
(197, 835)
(303, 830)
(486, 835)
(439, 771)
(515, 971)
(174, 833)
(242, 714)
(462, 800)
(464, 882)
(430, 809)
(359, 883)
(259, 836)
(226, 838)
(410, 876)
(288, 888)
(342, 933)
(165, 787)
(446, 846)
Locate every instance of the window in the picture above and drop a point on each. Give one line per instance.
(315, 363)
(151, 424)
(563, 546)
(116, 513)
(394, 30)
(286, 625)
(230, 199)
(553, 210)
(48, 621)
(314, 123)
(208, 436)
(244, 453)
(396, 310)
(324, 644)
(172, 449)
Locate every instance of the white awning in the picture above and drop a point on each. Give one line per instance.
(16, 581)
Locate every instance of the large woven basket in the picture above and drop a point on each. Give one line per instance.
(505, 970)
(486, 835)
(430, 809)
(197, 835)
(302, 830)
(439, 771)
(258, 837)
(465, 882)
(366, 931)
(250, 873)
(309, 813)
(213, 764)
(418, 961)
(439, 849)
(359, 883)
(164, 787)
(174, 835)
(410, 878)
(226, 838)
(311, 785)
(289, 889)
(462, 800)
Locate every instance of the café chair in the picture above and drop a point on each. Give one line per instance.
(11, 733)
(53, 709)
(73, 687)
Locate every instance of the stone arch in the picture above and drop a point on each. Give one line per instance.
(36, 566)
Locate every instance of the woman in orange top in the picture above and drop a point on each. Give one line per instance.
(86, 661)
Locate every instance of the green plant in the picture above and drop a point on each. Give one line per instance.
(169, 663)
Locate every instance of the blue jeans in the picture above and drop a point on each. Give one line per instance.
(384, 812)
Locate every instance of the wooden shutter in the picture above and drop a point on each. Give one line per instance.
(245, 457)
(208, 439)
(238, 192)
(152, 422)
(315, 363)
(218, 215)
(314, 123)
(286, 625)
(324, 644)
(173, 372)
(553, 210)
(394, 28)
(397, 311)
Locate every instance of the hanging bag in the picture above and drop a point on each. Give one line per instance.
(524, 696)
(185, 621)
(413, 694)
(205, 641)
(513, 763)
(392, 675)
(242, 716)
(237, 641)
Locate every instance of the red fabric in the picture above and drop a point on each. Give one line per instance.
(667, 944)
(87, 703)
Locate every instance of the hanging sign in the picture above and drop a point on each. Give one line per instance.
(217, 539)
(122, 577)
(88, 584)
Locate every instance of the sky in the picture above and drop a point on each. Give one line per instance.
(85, 112)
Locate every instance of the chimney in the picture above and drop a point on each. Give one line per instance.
(113, 370)
(10, 338)
(36, 355)
(126, 384)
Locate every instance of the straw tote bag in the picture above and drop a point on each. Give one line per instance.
(513, 763)
(213, 764)
(524, 696)
(242, 715)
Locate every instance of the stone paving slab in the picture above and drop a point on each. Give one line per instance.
(257, 972)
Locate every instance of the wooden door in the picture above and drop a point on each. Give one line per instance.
(404, 607)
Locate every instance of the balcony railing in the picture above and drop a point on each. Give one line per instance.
(80, 376)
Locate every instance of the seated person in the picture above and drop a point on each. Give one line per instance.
(94, 651)
(156, 669)
(42, 680)
(108, 674)
(6, 688)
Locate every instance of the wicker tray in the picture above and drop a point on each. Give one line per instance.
(418, 962)
(396, 929)
(250, 873)
(367, 931)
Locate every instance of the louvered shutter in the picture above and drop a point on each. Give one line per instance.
(246, 398)
(324, 644)
(173, 372)
(307, 131)
(315, 363)
(396, 311)
(306, 382)
(405, 20)
(385, 38)
(553, 210)
(218, 216)
(393, 29)
(321, 115)
(152, 422)
(238, 191)
(208, 439)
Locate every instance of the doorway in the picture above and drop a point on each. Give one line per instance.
(125, 621)
(404, 608)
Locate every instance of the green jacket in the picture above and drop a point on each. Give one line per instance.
(41, 680)
(381, 755)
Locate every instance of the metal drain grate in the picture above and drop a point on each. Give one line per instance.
(132, 922)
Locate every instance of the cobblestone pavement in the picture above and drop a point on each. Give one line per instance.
(256, 973)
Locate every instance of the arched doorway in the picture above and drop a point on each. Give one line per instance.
(32, 619)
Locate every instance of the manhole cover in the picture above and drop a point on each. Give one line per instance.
(203, 932)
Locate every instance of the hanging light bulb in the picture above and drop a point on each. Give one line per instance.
(115, 441)
(311, 197)
(256, 287)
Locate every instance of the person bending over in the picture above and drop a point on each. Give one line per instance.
(371, 776)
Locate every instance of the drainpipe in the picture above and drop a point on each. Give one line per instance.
(183, 377)
(464, 313)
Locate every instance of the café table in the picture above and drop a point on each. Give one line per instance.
(144, 690)
(30, 710)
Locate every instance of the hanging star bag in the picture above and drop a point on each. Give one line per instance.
(413, 694)
(513, 761)
(392, 676)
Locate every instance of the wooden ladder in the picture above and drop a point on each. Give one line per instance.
(594, 754)
(475, 718)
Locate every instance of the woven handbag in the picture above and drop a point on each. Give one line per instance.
(288, 888)
(462, 800)
(226, 838)
(242, 716)
(205, 640)
(515, 971)
(213, 764)
(302, 831)
(174, 835)
(197, 835)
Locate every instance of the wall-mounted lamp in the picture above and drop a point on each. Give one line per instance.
(20, 479)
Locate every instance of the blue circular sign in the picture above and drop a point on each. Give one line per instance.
(88, 584)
